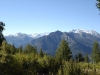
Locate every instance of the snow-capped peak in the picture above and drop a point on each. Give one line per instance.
(92, 32)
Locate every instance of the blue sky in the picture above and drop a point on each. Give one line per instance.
(39, 16)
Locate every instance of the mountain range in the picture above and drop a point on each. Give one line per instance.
(19, 39)
(79, 40)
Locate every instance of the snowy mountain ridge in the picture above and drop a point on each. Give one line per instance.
(36, 35)
(91, 32)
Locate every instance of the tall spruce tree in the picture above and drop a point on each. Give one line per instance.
(1, 35)
(96, 52)
(20, 49)
(86, 58)
(6, 47)
(63, 51)
(13, 49)
(29, 48)
(41, 53)
(79, 57)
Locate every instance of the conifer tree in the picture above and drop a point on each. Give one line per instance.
(63, 51)
(41, 53)
(13, 49)
(1, 35)
(29, 49)
(95, 53)
(98, 4)
(86, 58)
(20, 49)
(6, 47)
(79, 57)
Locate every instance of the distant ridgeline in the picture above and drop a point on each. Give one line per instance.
(79, 40)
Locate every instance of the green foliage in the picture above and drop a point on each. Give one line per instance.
(29, 49)
(79, 57)
(86, 58)
(70, 68)
(41, 53)
(13, 49)
(7, 48)
(98, 4)
(1, 35)
(63, 51)
(96, 52)
(33, 63)
(19, 61)
(20, 49)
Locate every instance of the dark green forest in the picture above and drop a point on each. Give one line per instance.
(29, 61)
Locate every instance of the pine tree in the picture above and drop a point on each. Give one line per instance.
(29, 49)
(98, 4)
(13, 49)
(86, 58)
(20, 49)
(6, 47)
(79, 57)
(1, 35)
(96, 52)
(63, 51)
(41, 53)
